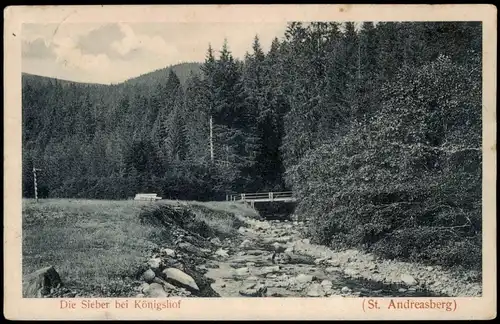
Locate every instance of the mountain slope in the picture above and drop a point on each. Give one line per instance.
(182, 71)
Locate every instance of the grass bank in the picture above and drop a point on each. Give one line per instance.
(101, 243)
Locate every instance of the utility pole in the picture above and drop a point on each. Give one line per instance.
(34, 180)
(211, 141)
(359, 58)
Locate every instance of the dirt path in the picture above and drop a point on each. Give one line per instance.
(304, 269)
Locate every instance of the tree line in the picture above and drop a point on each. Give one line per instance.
(375, 127)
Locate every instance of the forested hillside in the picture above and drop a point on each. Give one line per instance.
(377, 130)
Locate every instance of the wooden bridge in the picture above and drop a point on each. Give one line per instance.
(252, 198)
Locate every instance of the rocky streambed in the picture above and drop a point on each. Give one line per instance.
(303, 269)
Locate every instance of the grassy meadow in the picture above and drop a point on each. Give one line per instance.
(95, 242)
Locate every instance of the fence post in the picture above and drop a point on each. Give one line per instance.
(243, 196)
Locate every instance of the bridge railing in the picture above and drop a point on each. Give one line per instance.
(260, 195)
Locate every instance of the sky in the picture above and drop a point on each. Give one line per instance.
(114, 52)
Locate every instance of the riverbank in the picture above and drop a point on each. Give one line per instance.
(215, 249)
(362, 272)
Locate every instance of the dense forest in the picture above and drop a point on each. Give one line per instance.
(376, 129)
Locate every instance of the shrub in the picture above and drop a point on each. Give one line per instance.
(407, 184)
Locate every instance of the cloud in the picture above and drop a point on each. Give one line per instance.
(141, 42)
(37, 48)
(98, 41)
(114, 52)
(71, 56)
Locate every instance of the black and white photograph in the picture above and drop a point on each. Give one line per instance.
(312, 159)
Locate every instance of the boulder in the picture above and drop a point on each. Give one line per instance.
(177, 277)
(315, 290)
(40, 282)
(155, 290)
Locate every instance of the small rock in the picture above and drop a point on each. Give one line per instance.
(252, 278)
(212, 265)
(177, 276)
(221, 252)
(258, 291)
(333, 262)
(140, 296)
(331, 269)
(241, 230)
(346, 290)
(241, 271)
(216, 241)
(408, 280)
(283, 239)
(168, 252)
(165, 284)
(326, 283)
(154, 263)
(250, 286)
(143, 287)
(319, 261)
(306, 241)
(148, 275)
(246, 244)
(254, 252)
(429, 268)
(303, 278)
(351, 272)
(272, 269)
(401, 290)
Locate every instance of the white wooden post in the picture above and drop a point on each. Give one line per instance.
(34, 180)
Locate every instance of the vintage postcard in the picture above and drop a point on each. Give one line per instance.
(250, 162)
